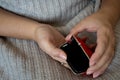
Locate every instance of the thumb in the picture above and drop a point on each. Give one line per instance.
(59, 55)
(50, 48)
(78, 28)
(56, 53)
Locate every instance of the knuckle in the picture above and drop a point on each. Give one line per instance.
(109, 56)
(104, 40)
(95, 58)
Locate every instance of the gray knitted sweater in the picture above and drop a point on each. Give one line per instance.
(22, 59)
(57, 12)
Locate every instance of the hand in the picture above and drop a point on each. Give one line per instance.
(49, 40)
(104, 50)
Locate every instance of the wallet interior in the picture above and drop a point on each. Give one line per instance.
(76, 56)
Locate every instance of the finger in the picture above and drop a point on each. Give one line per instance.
(98, 67)
(75, 31)
(111, 50)
(102, 70)
(97, 54)
(59, 55)
(102, 43)
(103, 61)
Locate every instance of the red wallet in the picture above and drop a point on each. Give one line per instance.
(78, 54)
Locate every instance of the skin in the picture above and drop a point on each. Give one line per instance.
(49, 39)
(103, 23)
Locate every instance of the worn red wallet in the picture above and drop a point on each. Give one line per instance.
(78, 54)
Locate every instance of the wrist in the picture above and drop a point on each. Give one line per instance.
(33, 30)
(110, 16)
(39, 30)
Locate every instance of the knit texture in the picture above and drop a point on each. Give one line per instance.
(57, 12)
(24, 60)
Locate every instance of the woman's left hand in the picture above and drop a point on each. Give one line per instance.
(104, 51)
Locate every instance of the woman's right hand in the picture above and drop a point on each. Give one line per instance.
(49, 40)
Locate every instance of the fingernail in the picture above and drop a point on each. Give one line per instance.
(68, 37)
(89, 72)
(63, 57)
(95, 75)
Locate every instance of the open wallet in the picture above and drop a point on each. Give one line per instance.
(78, 55)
